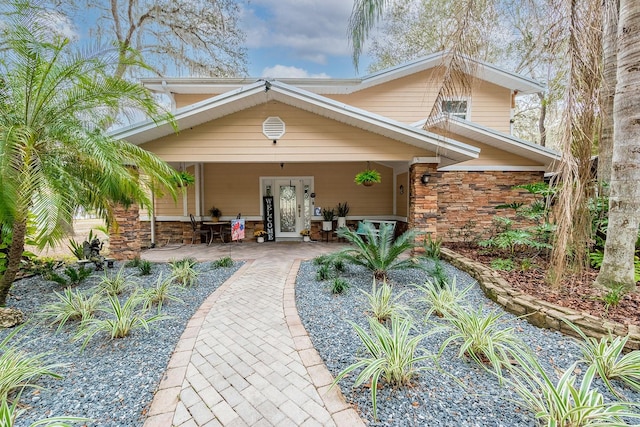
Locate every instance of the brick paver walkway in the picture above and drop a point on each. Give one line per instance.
(246, 360)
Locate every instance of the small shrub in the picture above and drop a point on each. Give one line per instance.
(438, 274)
(432, 247)
(19, 369)
(119, 319)
(339, 285)
(190, 261)
(70, 306)
(184, 273)
(163, 291)
(526, 264)
(482, 337)
(145, 267)
(442, 299)
(321, 259)
(73, 277)
(45, 266)
(382, 303)
(133, 263)
(391, 356)
(504, 264)
(323, 273)
(115, 284)
(613, 296)
(224, 262)
(338, 265)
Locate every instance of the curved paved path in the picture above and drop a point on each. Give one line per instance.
(244, 358)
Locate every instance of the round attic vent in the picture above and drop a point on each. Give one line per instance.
(273, 128)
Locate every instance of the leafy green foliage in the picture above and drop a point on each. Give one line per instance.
(70, 305)
(323, 272)
(9, 414)
(118, 319)
(133, 263)
(597, 257)
(438, 274)
(184, 273)
(383, 304)
(442, 298)
(483, 337)
(73, 277)
(377, 250)
(115, 284)
(163, 291)
(339, 285)
(432, 247)
(18, 369)
(343, 209)
(223, 262)
(190, 261)
(504, 264)
(510, 239)
(145, 267)
(391, 356)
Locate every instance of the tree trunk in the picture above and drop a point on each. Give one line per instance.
(610, 10)
(14, 259)
(624, 200)
(543, 116)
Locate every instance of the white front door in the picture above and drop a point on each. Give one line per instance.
(292, 207)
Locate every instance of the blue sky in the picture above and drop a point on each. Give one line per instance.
(299, 38)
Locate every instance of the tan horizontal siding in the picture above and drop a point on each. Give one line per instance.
(185, 99)
(165, 205)
(402, 200)
(309, 137)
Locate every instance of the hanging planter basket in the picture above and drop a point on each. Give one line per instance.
(368, 177)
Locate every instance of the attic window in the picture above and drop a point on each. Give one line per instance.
(273, 128)
(456, 108)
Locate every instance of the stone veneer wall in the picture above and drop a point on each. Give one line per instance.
(539, 313)
(466, 200)
(124, 242)
(423, 199)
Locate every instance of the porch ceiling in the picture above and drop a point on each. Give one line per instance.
(449, 150)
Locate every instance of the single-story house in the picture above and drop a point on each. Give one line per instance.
(302, 141)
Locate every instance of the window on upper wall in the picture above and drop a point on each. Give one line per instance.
(457, 108)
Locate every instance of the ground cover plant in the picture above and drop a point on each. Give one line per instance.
(111, 382)
(458, 390)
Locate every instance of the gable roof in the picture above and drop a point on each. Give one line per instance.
(492, 137)
(484, 71)
(261, 92)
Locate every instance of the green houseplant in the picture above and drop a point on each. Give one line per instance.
(343, 211)
(215, 214)
(327, 217)
(368, 177)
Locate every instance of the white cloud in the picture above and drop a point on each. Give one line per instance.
(311, 29)
(284, 71)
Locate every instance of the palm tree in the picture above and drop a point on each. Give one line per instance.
(624, 198)
(55, 155)
(377, 251)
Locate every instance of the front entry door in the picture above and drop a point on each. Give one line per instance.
(291, 210)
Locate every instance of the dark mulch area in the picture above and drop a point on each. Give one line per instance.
(576, 291)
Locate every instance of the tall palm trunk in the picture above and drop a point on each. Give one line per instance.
(624, 199)
(13, 260)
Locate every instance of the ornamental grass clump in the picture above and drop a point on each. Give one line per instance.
(339, 285)
(163, 291)
(391, 356)
(184, 273)
(73, 277)
(442, 300)
(607, 355)
(19, 369)
(482, 337)
(70, 305)
(223, 262)
(382, 301)
(118, 320)
(116, 284)
(145, 267)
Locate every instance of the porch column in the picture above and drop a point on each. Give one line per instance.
(124, 242)
(423, 198)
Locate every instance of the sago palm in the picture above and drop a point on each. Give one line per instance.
(55, 154)
(377, 250)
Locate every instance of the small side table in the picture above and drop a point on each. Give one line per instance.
(326, 234)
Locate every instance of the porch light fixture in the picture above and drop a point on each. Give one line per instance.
(424, 179)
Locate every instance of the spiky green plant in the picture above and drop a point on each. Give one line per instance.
(339, 285)
(483, 337)
(133, 263)
(438, 274)
(442, 299)
(607, 355)
(377, 250)
(116, 284)
(323, 272)
(184, 273)
(70, 305)
(223, 262)
(391, 356)
(383, 304)
(432, 247)
(145, 267)
(19, 369)
(164, 290)
(9, 414)
(73, 276)
(118, 319)
(190, 261)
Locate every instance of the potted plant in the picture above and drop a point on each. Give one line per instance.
(343, 211)
(306, 235)
(215, 214)
(259, 235)
(368, 177)
(327, 216)
(184, 179)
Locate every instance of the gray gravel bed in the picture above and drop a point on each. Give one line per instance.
(435, 398)
(112, 381)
